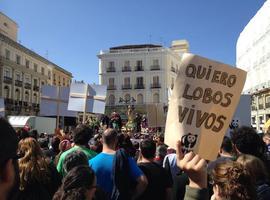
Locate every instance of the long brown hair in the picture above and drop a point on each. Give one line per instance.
(234, 181)
(33, 166)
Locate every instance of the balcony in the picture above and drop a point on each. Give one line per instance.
(155, 67)
(267, 105)
(126, 69)
(126, 87)
(110, 69)
(8, 101)
(139, 86)
(27, 86)
(155, 85)
(261, 106)
(35, 88)
(139, 68)
(111, 87)
(173, 69)
(7, 80)
(18, 83)
(253, 107)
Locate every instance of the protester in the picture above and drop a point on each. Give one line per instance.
(161, 152)
(159, 183)
(112, 179)
(257, 171)
(38, 178)
(81, 135)
(64, 145)
(78, 184)
(231, 180)
(225, 153)
(74, 159)
(246, 140)
(9, 171)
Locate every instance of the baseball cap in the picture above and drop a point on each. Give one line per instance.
(8, 141)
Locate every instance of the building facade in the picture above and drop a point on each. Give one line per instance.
(253, 55)
(23, 72)
(139, 74)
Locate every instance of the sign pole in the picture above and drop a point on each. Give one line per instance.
(58, 107)
(85, 104)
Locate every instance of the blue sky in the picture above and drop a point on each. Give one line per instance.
(74, 31)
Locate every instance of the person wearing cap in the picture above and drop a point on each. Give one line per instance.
(9, 171)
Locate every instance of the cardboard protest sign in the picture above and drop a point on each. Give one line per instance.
(202, 104)
(155, 115)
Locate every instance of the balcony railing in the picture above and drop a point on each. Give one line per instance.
(27, 86)
(110, 69)
(8, 101)
(35, 88)
(111, 87)
(18, 83)
(7, 80)
(126, 87)
(155, 67)
(138, 68)
(139, 86)
(126, 69)
(155, 85)
(260, 106)
(267, 105)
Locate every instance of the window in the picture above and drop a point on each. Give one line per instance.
(139, 80)
(156, 98)
(6, 92)
(261, 119)
(17, 94)
(49, 74)
(26, 96)
(127, 63)
(18, 77)
(139, 63)
(35, 82)
(111, 64)
(27, 79)
(42, 70)
(54, 77)
(7, 73)
(35, 98)
(35, 67)
(111, 81)
(126, 81)
(111, 100)
(42, 83)
(155, 62)
(27, 63)
(7, 54)
(18, 59)
(139, 98)
(155, 80)
(5, 24)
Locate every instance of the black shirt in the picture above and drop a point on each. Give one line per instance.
(158, 181)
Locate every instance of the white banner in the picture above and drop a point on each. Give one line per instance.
(54, 101)
(90, 98)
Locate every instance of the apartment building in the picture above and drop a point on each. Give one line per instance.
(23, 72)
(139, 74)
(253, 55)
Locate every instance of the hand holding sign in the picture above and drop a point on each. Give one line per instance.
(202, 104)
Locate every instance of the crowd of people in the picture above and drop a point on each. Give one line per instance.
(109, 164)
